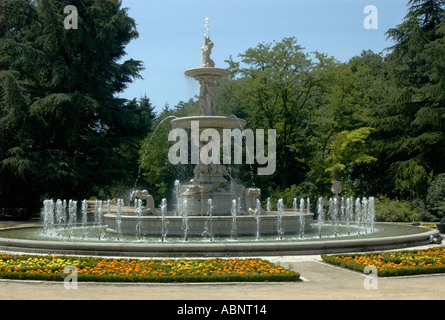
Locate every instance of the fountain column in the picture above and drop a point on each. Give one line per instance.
(233, 233)
(164, 221)
(320, 215)
(48, 217)
(84, 217)
(280, 211)
(210, 178)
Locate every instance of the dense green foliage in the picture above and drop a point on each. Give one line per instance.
(64, 132)
(376, 122)
(396, 211)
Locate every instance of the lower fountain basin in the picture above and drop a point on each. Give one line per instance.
(387, 236)
(218, 225)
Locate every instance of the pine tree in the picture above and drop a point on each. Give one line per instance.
(411, 125)
(62, 126)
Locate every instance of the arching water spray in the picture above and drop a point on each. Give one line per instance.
(139, 221)
(248, 153)
(178, 198)
(320, 217)
(208, 229)
(185, 219)
(335, 213)
(258, 218)
(146, 151)
(120, 204)
(48, 217)
(349, 213)
(234, 213)
(358, 214)
(302, 220)
(99, 216)
(371, 208)
(164, 220)
(72, 216)
(280, 211)
(365, 214)
(84, 217)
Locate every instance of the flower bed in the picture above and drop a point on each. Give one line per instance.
(397, 263)
(123, 270)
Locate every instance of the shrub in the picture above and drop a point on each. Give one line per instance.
(435, 199)
(303, 190)
(287, 194)
(388, 210)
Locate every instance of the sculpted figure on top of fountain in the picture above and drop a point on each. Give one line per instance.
(206, 52)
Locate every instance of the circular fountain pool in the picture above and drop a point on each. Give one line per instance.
(335, 239)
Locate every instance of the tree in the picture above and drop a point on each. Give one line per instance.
(346, 149)
(435, 199)
(343, 107)
(308, 98)
(157, 174)
(273, 87)
(411, 122)
(63, 130)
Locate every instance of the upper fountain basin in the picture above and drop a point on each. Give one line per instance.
(209, 122)
(207, 72)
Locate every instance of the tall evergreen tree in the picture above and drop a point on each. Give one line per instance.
(411, 125)
(61, 123)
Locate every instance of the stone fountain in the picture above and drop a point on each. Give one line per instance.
(209, 181)
(211, 185)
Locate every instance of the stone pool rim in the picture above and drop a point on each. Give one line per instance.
(216, 249)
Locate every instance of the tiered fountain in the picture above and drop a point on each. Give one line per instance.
(208, 199)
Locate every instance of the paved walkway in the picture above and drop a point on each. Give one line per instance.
(319, 281)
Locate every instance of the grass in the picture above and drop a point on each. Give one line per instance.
(51, 268)
(397, 263)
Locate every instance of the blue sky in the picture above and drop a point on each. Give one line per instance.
(171, 35)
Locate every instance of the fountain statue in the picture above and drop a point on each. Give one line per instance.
(206, 52)
(144, 195)
(252, 194)
(209, 181)
(208, 45)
